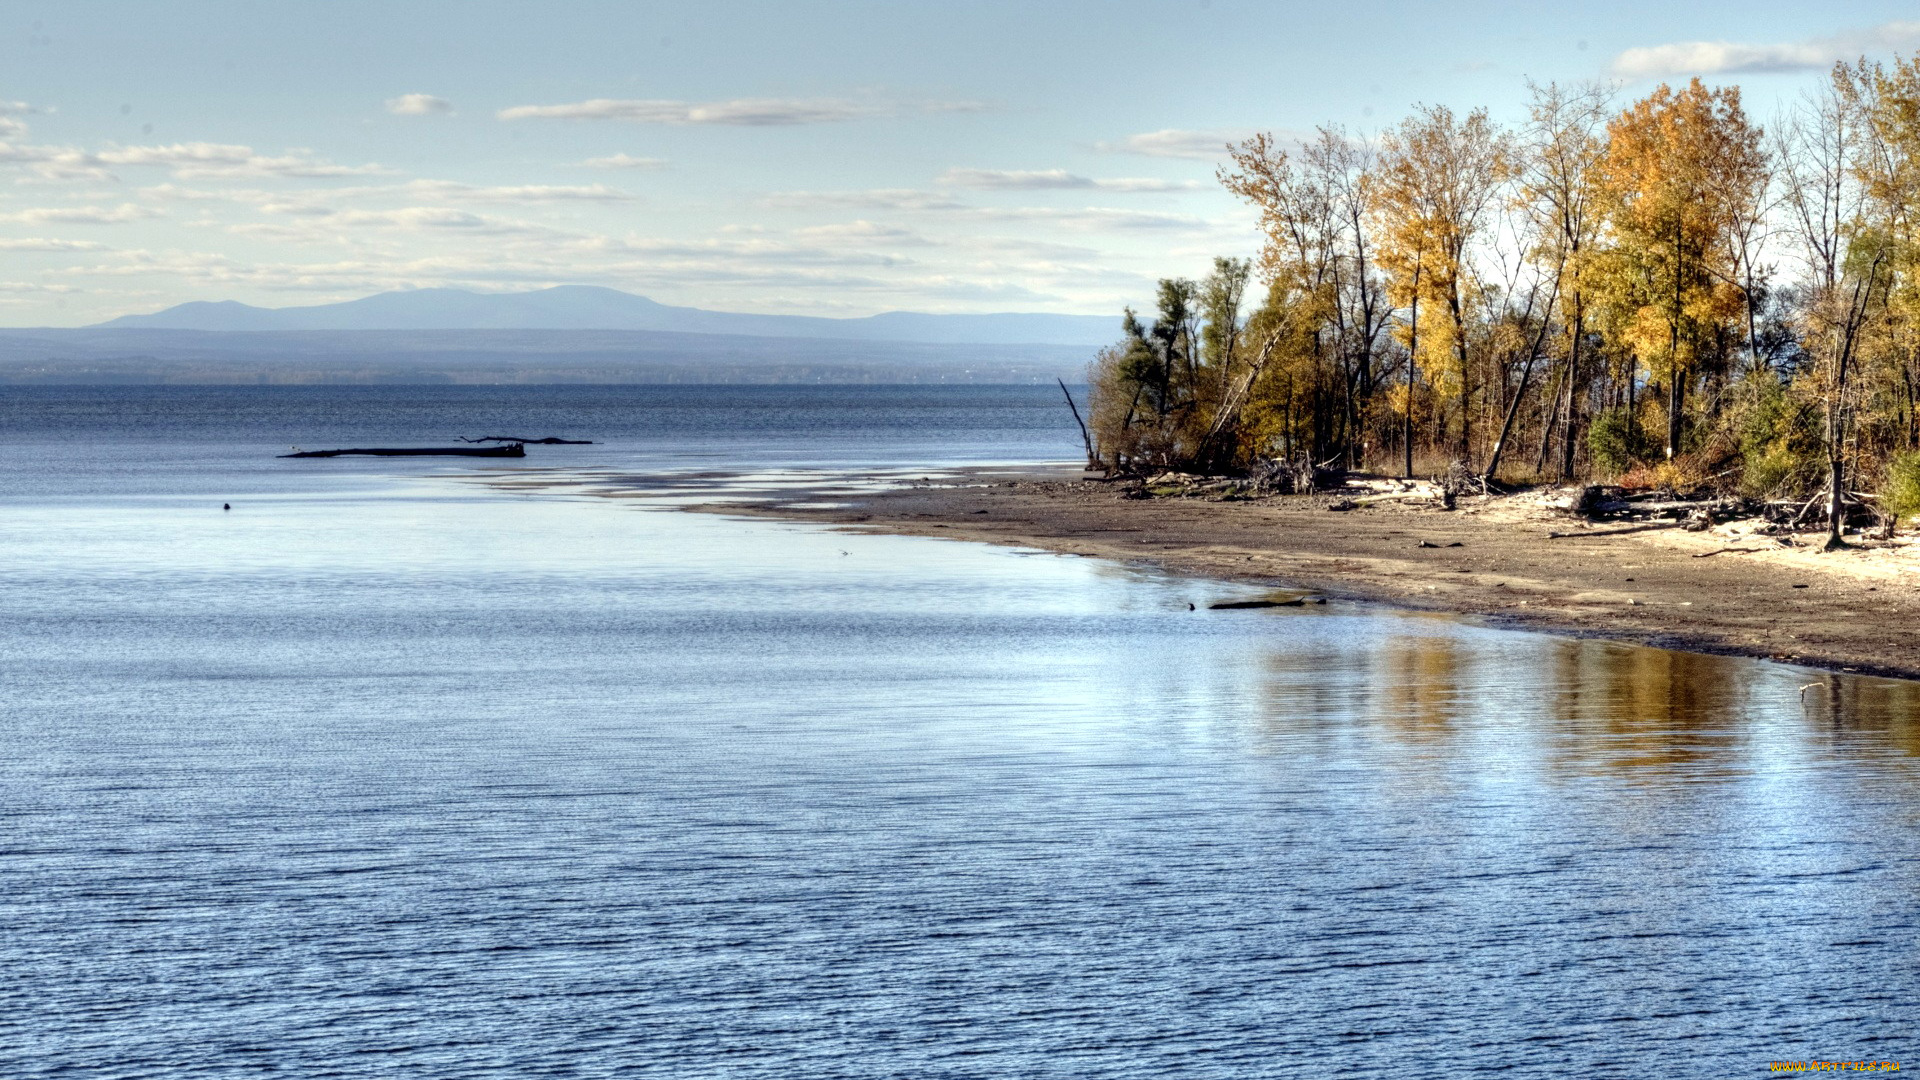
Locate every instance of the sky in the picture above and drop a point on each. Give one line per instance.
(828, 158)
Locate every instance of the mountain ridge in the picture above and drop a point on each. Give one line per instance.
(592, 307)
(222, 357)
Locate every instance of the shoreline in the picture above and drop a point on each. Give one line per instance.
(1509, 561)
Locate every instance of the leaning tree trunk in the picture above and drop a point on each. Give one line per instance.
(1526, 374)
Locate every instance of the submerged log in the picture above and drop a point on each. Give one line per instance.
(514, 450)
(1235, 605)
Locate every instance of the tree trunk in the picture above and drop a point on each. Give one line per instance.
(1673, 347)
(1573, 385)
(1413, 351)
(1466, 385)
(1676, 400)
(1526, 373)
(1506, 427)
(1836, 507)
(1551, 421)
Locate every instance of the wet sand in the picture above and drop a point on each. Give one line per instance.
(1717, 592)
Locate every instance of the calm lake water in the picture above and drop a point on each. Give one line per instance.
(387, 772)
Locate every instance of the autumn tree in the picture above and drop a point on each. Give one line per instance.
(1562, 153)
(1439, 179)
(1298, 227)
(1677, 167)
(1451, 280)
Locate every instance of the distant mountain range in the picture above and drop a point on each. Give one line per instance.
(588, 307)
(142, 355)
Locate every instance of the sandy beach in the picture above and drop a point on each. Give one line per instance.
(1518, 561)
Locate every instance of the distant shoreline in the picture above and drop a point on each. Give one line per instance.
(1857, 612)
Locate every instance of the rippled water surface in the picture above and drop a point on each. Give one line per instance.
(388, 773)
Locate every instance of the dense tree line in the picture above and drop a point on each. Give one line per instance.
(1664, 293)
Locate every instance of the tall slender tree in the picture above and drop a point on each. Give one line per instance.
(1439, 179)
(1563, 151)
(1673, 161)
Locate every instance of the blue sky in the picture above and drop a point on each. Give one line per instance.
(824, 158)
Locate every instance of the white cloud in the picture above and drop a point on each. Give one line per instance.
(1014, 180)
(826, 267)
(956, 106)
(81, 215)
(633, 262)
(10, 111)
(861, 231)
(34, 287)
(319, 202)
(173, 191)
(201, 159)
(1090, 219)
(1054, 179)
(877, 199)
(417, 217)
(196, 159)
(47, 243)
(526, 193)
(1727, 57)
(1027, 250)
(54, 162)
(745, 112)
(328, 225)
(740, 251)
(624, 161)
(1094, 218)
(1177, 143)
(1125, 183)
(14, 152)
(418, 105)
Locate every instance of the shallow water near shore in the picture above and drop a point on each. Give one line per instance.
(387, 772)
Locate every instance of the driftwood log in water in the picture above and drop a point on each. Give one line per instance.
(548, 441)
(1236, 605)
(513, 451)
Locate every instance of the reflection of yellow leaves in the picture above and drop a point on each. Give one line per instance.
(1425, 690)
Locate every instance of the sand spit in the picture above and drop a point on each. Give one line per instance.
(1519, 560)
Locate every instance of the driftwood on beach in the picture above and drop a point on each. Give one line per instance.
(514, 450)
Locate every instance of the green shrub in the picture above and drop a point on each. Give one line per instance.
(1615, 441)
(1900, 492)
(1780, 447)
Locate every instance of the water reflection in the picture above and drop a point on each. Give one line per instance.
(1865, 714)
(1426, 688)
(1631, 709)
(461, 778)
(1425, 678)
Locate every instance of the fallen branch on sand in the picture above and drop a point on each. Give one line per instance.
(1613, 532)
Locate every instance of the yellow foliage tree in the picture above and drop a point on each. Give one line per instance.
(1679, 167)
(1438, 181)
